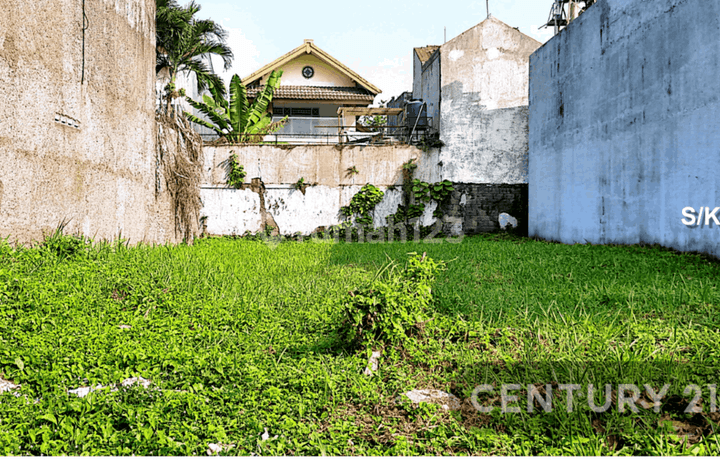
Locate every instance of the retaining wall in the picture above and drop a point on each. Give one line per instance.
(272, 200)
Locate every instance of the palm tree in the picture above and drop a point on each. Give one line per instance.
(182, 41)
(238, 120)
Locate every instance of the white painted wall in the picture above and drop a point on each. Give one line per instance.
(233, 212)
(483, 104)
(625, 125)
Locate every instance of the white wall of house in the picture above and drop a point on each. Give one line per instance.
(430, 89)
(417, 76)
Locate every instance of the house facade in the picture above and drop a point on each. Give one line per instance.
(473, 90)
(314, 85)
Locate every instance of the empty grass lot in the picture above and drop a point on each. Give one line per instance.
(240, 340)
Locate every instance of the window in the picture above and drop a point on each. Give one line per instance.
(296, 111)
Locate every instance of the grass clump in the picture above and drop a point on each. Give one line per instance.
(396, 304)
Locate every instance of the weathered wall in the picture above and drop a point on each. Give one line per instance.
(483, 108)
(417, 76)
(318, 164)
(325, 167)
(473, 208)
(625, 125)
(430, 87)
(477, 207)
(101, 174)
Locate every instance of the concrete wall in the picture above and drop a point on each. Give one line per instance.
(625, 125)
(417, 76)
(483, 108)
(326, 165)
(279, 204)
(275, 202)
(100, 174)
(430, 89)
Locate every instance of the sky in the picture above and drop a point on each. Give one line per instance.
(374, 38)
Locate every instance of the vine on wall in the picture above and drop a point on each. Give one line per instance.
(362, 204)
(417, 193)
(236, 172)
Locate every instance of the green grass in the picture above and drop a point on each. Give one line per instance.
(238, 336)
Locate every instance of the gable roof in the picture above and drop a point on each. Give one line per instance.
(425, 52)
(492, 18)
(310, 48)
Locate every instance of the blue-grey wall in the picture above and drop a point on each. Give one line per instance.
(625, 125)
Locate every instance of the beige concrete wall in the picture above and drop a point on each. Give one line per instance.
(318, 164)
(101, 174)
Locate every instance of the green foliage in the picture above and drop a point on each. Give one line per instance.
(352, 171)
(236, 172)
(395, 305)
(428, 142)
(300, 184)
(373, 122)
(181, 43)
(236, 119)
(410, 165)
(238, 336)
(363, 203)
(426, 192)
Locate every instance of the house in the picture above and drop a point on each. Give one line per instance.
(314, 85)
(472, 93)
(426, 82)
(418, 118)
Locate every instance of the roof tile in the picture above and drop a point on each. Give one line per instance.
(317, 92)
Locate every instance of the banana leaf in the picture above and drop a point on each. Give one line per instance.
(238, 105)
(260, 105)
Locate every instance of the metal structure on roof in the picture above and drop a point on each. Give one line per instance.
(563, 12)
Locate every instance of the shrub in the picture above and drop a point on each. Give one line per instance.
(394, 306)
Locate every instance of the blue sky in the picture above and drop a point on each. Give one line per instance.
(375, 38)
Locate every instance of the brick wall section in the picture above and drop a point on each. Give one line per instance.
(483, 204)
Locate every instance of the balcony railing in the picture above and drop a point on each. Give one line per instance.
(325, 130)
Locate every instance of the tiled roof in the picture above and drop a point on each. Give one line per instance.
(317, 92)
(425, 52)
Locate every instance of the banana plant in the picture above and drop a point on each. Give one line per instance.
(236, 119)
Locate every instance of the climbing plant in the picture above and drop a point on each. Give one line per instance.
(236, 172)
(417, 193)
(363, 203)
